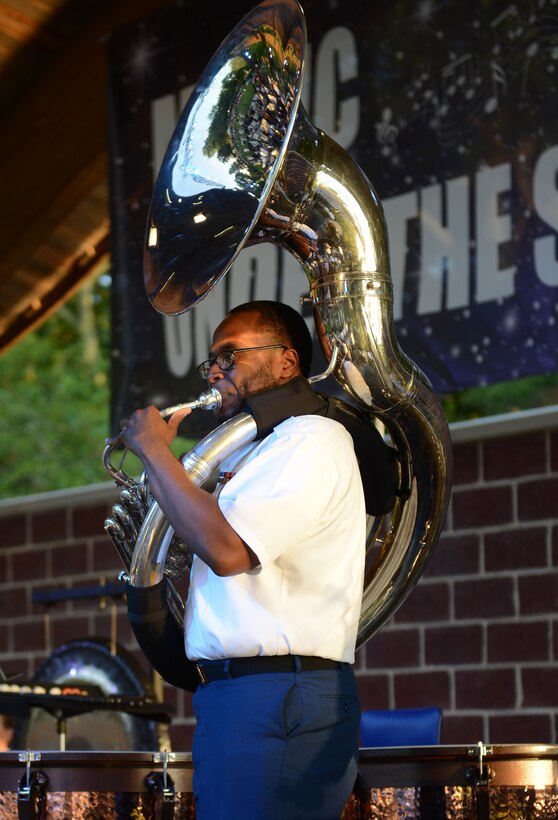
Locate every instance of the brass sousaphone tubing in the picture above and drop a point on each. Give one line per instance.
(245, 165)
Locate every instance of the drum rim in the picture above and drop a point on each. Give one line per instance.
(470, 751)
(90, 757)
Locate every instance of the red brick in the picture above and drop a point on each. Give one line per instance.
(462, 730)
(68, 628)
(515, 549)
(485, 689)
(538, 593)
(29, 636)
(484, 598)
(173, 698)
(3, 569)
(188, 708)
(481, 507)
(37, 588)
(422, 689)
(360, 658)
(540, 686)
(182, 736)
(180, 701)
(521, 728)
(373, 691)
(92, 583)
(518, 641)
(137, 660)
(465, 464)
(5, 637)
(555, 641)
(29, 565)
(102, 625)
(454, 555)
(453, 644)
(427, 602)
(537, 499)
(89, 521)
(12, 530)
(69, 560)
(13, 602)
(393, 648)
(49, 526)
(105, 557)
(515, 456)
(17, 668)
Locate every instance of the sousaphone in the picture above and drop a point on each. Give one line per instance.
(245, 165)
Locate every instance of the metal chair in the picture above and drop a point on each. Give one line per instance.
(401, 727)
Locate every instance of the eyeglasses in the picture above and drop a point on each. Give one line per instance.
(227, 358)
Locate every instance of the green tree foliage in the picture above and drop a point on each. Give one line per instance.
(55, 400)
(55, 390)
(55, 387)
(504, 397)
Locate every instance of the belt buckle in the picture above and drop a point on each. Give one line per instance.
(201, 674)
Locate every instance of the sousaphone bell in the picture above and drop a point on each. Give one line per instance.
(245, 165)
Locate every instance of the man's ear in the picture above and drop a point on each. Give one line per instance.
(290, 364)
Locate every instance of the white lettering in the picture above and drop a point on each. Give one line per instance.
(188, 336)
(164, 115)
(398, 210)
(444, 248)
(336, 62)
(545, 197)
(493, 228)
(177, 331)
(163, 122)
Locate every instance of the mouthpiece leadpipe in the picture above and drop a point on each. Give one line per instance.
(210, 400)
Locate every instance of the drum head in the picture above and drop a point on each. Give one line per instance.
(90, 662)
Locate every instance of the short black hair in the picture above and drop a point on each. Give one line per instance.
(285, 324)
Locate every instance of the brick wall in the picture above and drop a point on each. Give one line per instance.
(478, 636)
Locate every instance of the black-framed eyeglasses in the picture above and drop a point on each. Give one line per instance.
(226, 359)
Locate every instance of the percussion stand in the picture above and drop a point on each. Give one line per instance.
(61, 728)
(115, 592)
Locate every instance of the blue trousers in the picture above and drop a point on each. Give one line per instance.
(277, 746)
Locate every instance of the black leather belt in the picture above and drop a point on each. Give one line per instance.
(209, 671)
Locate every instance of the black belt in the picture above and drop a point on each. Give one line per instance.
(209, 671)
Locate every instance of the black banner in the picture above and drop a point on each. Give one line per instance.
(448, 107)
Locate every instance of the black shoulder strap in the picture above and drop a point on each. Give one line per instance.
(377, 461)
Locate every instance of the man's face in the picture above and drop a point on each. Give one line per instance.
(252, 371)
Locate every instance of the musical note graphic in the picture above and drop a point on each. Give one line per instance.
(506, 28)
(459, 75)
(386, 131)
(479, 80)
(530, 52)
(498, 79)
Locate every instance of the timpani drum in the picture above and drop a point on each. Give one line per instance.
(478, 782)
(96, 786)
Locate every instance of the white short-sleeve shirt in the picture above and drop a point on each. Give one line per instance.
(296, 499)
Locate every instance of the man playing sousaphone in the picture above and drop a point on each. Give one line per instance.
(276, 581)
